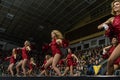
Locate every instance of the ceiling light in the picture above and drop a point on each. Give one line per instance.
(9, 15)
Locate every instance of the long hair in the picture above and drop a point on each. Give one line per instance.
(58, 34)
(14, 52)
(27, 43)
(32, 59)
(112, 4)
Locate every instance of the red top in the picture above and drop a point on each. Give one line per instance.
(55, 48)
(12, 59)
(30, 66)
(70, 59)
(116, 26)
(24, 53)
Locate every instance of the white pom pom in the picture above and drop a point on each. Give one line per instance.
(104, 52)
(105, 26)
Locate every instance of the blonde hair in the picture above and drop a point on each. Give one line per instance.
(27, 43)
(112, 4)
(32, 59)
(58, 34)
(14, 52)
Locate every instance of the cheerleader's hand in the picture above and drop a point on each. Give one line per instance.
(59, 41)
(104, 51)
(18, 48)
(106, 27)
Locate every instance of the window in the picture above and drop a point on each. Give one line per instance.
(79, 48)
(93, 42)
(102, 42)
(86, 45)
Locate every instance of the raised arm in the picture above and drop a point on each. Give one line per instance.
(33, 63)
(28, 48)
(59, 41)
(105, 24)
(106, 49)
(19, 48)
(73, 55)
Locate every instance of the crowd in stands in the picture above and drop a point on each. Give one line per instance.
(88, 59)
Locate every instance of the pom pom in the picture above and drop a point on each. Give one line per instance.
(106, 27)
(65, 43)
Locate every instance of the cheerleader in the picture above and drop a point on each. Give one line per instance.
(109, 49)
(70, 62)
(12, 59)
(114, 29)
(25, 57)
(47, 57)
(31, 66)
(55, 45)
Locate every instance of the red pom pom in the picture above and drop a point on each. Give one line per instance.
(45, 47)
(65, 43)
